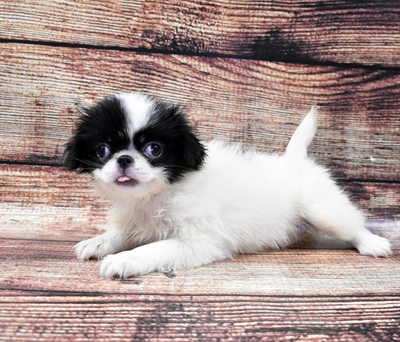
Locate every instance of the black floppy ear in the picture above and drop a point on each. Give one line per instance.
(72, 158)
(194, 152)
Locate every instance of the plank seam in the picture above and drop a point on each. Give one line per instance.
(290, 60)
(339, 298)
(339, 180)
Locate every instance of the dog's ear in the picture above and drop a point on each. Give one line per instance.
(194, 152)
(72, 157)
(69, 157)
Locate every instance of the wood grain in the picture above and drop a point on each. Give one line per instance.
(304, 31)
(56, 55)
(43, 202)
(49, 266)
(294, 294)
(39, 202)
(188, 318)
(366, 32)
(256, 102)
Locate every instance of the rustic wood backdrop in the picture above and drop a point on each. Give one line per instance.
(245, 71)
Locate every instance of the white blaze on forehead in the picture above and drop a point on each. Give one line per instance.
(138, 110)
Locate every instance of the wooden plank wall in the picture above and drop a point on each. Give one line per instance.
(245, 71)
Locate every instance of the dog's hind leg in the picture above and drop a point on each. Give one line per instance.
(330, 211)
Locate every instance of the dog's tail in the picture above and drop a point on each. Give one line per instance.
(303, 136)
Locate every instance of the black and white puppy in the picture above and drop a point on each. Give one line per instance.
(178, 202)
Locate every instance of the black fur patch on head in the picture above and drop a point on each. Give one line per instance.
(182, 151)
(106, 123)
(103, 123)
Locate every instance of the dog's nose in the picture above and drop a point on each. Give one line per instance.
(125, 161)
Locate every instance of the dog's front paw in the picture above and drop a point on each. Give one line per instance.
(371, 244)
(94, 248)
(123, 265)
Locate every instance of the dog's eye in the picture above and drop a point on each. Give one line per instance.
(103, 151)
(153, 150)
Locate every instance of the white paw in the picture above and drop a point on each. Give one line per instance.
(123, 265)
(371, 244)
(94, 248)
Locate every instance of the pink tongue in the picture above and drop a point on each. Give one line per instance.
(123, 179)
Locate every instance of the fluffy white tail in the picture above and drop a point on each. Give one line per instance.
(303, 135)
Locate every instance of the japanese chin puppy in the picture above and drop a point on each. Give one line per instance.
(178, 202)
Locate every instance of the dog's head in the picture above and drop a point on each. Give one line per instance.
(134, 144)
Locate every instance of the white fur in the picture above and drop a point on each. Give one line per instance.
(239, 202)
(137, 106)
(151, 179)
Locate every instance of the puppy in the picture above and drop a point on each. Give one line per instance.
(178, 202)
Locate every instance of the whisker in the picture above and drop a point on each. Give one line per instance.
(88, 162)
(175, 166)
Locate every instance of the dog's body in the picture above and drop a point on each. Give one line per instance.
(180, 203)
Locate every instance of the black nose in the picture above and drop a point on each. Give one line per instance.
(125, 161)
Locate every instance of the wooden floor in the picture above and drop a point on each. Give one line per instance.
(287, 295)
(244, 71)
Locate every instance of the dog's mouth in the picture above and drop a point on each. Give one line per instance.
(126, 181)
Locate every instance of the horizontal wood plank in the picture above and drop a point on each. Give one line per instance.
(256, 102)
(364, 32)
(186, 318)
(57, 55)
(40, 202)
(43, 266)
(50, 203)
